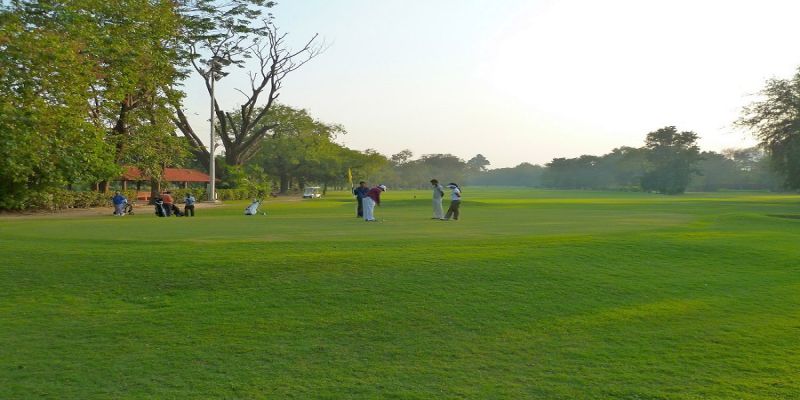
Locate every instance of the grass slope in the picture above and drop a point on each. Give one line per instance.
(534, 294)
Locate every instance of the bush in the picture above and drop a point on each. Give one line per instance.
(61, 199)
(222, 194)
(238, 194)
(180, 194)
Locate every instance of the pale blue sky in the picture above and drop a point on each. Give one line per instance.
(529, 80)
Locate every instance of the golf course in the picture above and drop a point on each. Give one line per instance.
(533, 294)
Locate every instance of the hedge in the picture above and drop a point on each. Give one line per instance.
(66, 199)
(62, 199)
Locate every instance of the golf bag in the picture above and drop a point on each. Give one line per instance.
(160, 210)
(128, 209)
(176, 211)
(252, 209)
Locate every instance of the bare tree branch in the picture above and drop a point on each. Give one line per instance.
(240, 134)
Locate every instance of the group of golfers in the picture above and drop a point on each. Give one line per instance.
(369, 198)
(165, 205)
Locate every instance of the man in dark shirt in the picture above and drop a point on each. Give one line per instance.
(360, 192)
(189, 207)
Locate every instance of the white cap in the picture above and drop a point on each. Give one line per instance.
(383, 187)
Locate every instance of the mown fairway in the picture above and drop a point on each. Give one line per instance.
(534, 294)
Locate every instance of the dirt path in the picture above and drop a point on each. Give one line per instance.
(88, 212)
(138, 209)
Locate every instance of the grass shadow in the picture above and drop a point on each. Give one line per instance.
(785, 216)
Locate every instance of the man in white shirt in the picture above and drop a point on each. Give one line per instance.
(455, 202)
(438, 193)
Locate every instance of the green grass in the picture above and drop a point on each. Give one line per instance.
(534, 294)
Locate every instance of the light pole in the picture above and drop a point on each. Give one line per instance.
(215, 73)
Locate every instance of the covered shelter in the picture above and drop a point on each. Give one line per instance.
(181, 177)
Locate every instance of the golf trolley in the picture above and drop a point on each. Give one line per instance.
(127, 209)
(252, 209)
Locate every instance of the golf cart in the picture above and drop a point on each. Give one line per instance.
(312, 192)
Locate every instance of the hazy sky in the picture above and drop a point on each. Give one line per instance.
(529, 80)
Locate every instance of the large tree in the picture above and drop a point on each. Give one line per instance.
(299, 148)
(47, 140)
(232, 33)
(124, 53)
(672, 157)
(775, 120)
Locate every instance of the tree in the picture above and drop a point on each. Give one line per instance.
(47, 139)
(476, 164)
(714, 172)
(298, 144)
(441, 166)
(671, 157)
(402, 157)
(231, 34)
(124, 52)
(524, 174)
(371, 166)
(626, 166)
(775, 120)
(572, 173)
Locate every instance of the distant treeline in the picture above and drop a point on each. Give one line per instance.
(623, 169)
(664, 164)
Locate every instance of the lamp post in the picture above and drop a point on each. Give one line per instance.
(215, 73)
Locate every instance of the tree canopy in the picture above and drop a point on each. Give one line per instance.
(775, 120)
(672, 157)
(80, 81)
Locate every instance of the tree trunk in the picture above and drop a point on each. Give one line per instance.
(284, 184)
(233, 156)
(155, 190)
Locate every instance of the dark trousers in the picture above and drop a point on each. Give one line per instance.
(188, 209)
(168, 209)
(360, 212)
(453, 210)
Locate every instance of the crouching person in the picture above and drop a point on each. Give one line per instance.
(372, 199)
(119, 204)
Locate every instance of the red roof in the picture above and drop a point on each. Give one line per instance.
(170, 175)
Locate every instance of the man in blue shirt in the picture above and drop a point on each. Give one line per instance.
(189, 207)
(360, 192)
(119, 202)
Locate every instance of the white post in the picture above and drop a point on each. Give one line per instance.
(211, 165)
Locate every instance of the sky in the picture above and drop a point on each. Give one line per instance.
(528, 81)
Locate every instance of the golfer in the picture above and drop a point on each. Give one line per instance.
(372, 199)
(360, 192)
(189, 207)
(455, 202)
(438, 193)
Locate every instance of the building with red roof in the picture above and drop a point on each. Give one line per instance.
(179, 176)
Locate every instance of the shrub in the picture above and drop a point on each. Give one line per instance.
(180, 194)
(60, 199)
